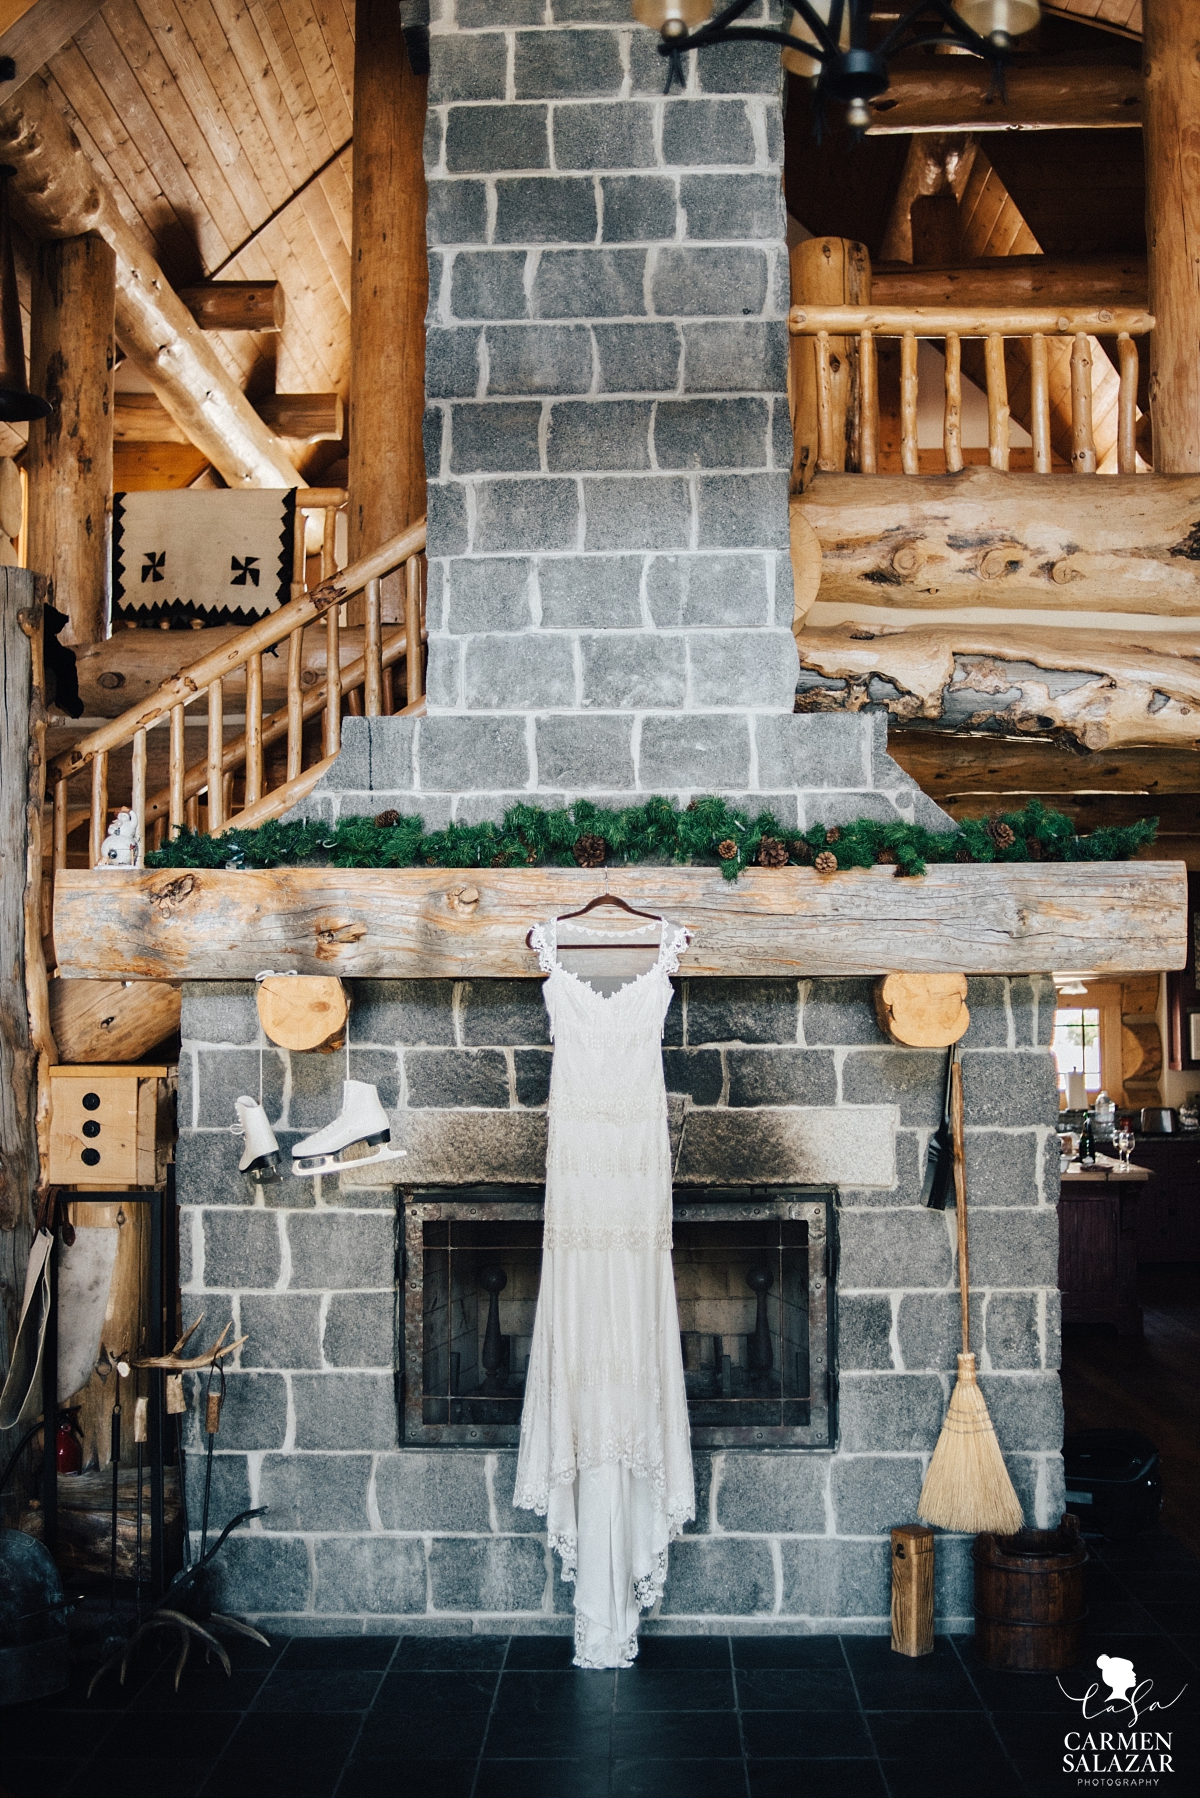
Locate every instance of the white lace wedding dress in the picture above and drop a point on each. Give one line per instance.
(605, 1453)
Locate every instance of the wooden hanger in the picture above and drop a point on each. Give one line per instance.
(603, 899)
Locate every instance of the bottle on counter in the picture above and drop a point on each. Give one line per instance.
(1106, 1116)
(1087, 1142)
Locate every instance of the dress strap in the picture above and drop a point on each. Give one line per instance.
(675, 939)
(544, 939)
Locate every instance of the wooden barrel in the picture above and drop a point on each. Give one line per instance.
(1029, 1609)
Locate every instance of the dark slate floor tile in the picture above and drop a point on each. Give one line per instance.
(679, 1779)
(1120, 1617)
(202, 1689)
(887, 1681)
(565, 1733)
(37, 1778)
(360, 1653)
(293, 1738)
(1004, 1692)
(670, 1735)
(919, 1752)
(453, 1653)
(1174, 1617)
(419, 1692)
(35, 1732)
(815, 1779)
(788, 1651)
(157, 1735)
(806, 1735)
(795, 1689)
(432, 1735)
(117, 1779)
(585, 1777)
(309, 1690)
(551, 1652)
(683, 1652)
(310, 1779)
(670, 1689)
(1145, 1552)
(572, 1692)
(1189, 1647)
(380, 1779)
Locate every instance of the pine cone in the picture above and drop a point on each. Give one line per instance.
(826, 862)
(1033, 849)
(801, 851)
(590, 851)
(387, 820)
(832, 834)
(963, 855)
(888, 856)
(772, 853)
(727, 850)
(1003, 835)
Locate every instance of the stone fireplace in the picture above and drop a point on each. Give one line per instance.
(610, 606)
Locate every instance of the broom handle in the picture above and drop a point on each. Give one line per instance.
(960, 1202)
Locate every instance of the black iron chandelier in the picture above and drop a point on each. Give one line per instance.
(829, 39)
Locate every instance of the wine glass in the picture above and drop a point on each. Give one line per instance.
(1125, 1141)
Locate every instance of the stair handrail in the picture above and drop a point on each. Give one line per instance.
(205, 676)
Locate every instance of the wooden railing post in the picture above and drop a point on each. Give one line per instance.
(910, 455)
(295, 704)
(254, 722)
(216, 742)
(333, 691)
(176, 763)
(60, 825)
(372, 651)
(138, 793)
(826, 459)
(997, 398)
(868, 400)
(1039, 402)
(99, 814)
(952, 427)
(1083, 443)
(414, 611)
(1127, 357)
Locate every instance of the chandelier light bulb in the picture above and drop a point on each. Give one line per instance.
(999, 21)
(858, 114)
(672, 18)
(795, 61)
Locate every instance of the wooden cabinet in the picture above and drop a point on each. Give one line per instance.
(1169, 1207)
(1097, 1250)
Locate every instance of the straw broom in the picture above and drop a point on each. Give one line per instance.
(967, 1486)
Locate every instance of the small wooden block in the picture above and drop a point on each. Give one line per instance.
(912, 1589)
(94, 1129)
(925, 1011)
(302, 1011)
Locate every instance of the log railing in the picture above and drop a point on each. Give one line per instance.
(857, 328)
(234, 775)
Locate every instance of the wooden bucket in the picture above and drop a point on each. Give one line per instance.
(1029, 1609)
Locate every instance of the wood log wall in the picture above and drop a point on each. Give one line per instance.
(1172, 136)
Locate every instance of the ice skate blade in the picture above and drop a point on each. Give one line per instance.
(265, 1172)
(306, 1167)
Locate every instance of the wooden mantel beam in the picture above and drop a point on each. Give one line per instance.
(57, 194)
(454, 924)
(1068, 282)
(951, 94)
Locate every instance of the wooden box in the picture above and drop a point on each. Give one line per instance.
(104, 1130)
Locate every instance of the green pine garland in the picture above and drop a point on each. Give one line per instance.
(707, 833)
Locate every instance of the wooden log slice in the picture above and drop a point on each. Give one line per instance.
(924, 1011)
(303, 1011)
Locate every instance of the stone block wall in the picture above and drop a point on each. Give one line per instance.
(783, 1081)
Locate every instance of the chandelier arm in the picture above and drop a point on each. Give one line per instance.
(964, 37)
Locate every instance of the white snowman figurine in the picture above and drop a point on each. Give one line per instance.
(120, 847)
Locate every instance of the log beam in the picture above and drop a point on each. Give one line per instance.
(70, 456)
(944, 765)
(1172, 65)
(952, 94)
(1124, 543)
(305, 417)
(388, 295)
(56, 194)
(441, 923)
(1067, 283)
(1101, 689)
(107, 1021)
(235, 305)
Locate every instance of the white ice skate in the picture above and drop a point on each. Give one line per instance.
(361, 1125)
(260, 1157)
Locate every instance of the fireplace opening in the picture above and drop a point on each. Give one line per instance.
(752, 1281)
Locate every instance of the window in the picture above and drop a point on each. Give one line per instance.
(1077, 1045)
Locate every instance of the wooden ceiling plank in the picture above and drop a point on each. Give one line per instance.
(109, 146)
(307, 56)
(289, 75)
(336, 21)
(146, 132)
(232, 195)
(311, 318)
(209, 77)
(337, 186)
(299, 148)
(326, 234)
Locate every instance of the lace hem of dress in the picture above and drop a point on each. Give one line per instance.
(628, 1650)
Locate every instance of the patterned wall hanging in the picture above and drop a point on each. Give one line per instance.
(205, 553)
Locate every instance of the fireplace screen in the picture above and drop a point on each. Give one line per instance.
(752, 1279)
